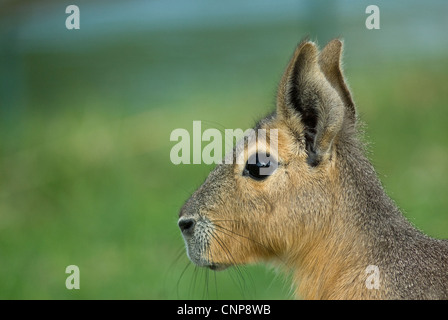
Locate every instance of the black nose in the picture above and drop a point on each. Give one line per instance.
(186, 225)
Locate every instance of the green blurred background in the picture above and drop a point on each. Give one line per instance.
(86, 116)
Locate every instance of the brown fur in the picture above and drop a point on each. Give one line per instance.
(322, 215)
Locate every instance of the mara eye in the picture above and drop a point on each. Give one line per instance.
(259, 168)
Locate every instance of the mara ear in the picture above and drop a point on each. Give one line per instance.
(330, 64)
(308, 103)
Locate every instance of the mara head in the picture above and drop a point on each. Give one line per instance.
(272, 205)
(306, 196)
(242, 215)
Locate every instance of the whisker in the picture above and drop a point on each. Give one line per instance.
(207, 295)
(234, 264)
(226, 220)
(234, 235)
(270, 250)
(230, 235)
(216, 285)
(180, 277)
(181, 252)
(223, 231)
(193, 282)
(210, 258)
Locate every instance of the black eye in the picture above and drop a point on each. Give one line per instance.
(259, 168)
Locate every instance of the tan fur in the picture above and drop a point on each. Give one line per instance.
(322, 215)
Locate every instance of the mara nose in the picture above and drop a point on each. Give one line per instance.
(186, 225)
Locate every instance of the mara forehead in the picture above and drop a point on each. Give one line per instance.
(269, 136)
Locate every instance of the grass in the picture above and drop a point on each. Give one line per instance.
(85, 175)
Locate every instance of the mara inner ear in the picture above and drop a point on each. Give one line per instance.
(309, 104)
(330, 64)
